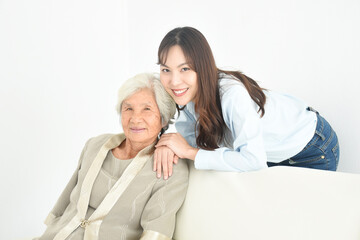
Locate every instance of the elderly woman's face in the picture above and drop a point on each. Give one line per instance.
(140, 117)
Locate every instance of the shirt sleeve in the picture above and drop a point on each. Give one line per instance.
(159, 215)
(247, 152)
(64, 198)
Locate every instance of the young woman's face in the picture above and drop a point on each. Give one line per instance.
(179, 80)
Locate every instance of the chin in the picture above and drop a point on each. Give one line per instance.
(182, 102)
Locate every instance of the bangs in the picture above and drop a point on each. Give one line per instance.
(163, 54)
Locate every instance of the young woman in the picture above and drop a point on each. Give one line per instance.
(227, 122)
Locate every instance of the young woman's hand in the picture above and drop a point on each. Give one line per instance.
(178, 145)
(164, 158)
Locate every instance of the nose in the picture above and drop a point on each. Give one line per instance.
(175, 79)
(136, 117)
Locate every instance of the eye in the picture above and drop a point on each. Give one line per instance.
(184, 69)
(165, 70)
(147, 109)
(127, 109)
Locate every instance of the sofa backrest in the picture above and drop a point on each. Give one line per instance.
(276, 203)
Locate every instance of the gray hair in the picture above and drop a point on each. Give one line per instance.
(165, 102)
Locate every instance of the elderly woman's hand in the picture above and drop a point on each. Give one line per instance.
(178, 145)
(164, 158)
(171, 146)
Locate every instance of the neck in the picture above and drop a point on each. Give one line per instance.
(129, 149)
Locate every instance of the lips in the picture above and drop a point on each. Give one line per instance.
(179, 92)
(137, 130)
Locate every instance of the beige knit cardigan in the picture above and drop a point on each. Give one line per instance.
(138, 206)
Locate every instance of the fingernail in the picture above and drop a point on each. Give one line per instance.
(165, 177)
(158, 175)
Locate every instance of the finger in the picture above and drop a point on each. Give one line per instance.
(165, 166)
(170, 159)
(176, 159)
(158, 166)
(166, 135)
(155, 160)
(161, 143)
(163, 139)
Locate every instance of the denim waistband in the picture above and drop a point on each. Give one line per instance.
(320, 122)
(312, 110)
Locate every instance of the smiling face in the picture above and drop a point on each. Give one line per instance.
(179, 80)
(140, 118)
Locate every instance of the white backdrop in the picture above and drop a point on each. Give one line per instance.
(61, 63)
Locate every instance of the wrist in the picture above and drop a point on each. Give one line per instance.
(191, 153)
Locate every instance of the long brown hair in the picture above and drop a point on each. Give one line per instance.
(199, 56)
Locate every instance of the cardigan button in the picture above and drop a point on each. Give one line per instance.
(84, 223)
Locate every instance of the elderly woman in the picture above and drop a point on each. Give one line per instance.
(114, 193)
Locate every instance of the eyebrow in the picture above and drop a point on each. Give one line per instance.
(182, 64)
(143, 104)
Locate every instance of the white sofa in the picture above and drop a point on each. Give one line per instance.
(280, 203)
(276, 203)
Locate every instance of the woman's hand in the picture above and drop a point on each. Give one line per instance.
(169, 149)
(164, 158)
(178, 145)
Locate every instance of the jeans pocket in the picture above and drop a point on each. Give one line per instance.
(322, 152)
(310, 155)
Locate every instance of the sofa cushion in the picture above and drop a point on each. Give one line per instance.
(276, 203)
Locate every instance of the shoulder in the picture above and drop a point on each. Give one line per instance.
(182, 166)
(95, 143)
(180, 176)
(230, 86)
(236, 101)
(100, 139)
(233, 92)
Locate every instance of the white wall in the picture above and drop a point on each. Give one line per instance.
(61, 63)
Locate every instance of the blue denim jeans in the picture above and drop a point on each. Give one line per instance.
(322, 152)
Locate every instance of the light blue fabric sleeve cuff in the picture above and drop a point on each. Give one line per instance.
(224, 159)
(199, 161)
(211, 160)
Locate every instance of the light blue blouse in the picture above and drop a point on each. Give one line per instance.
(251, 141)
